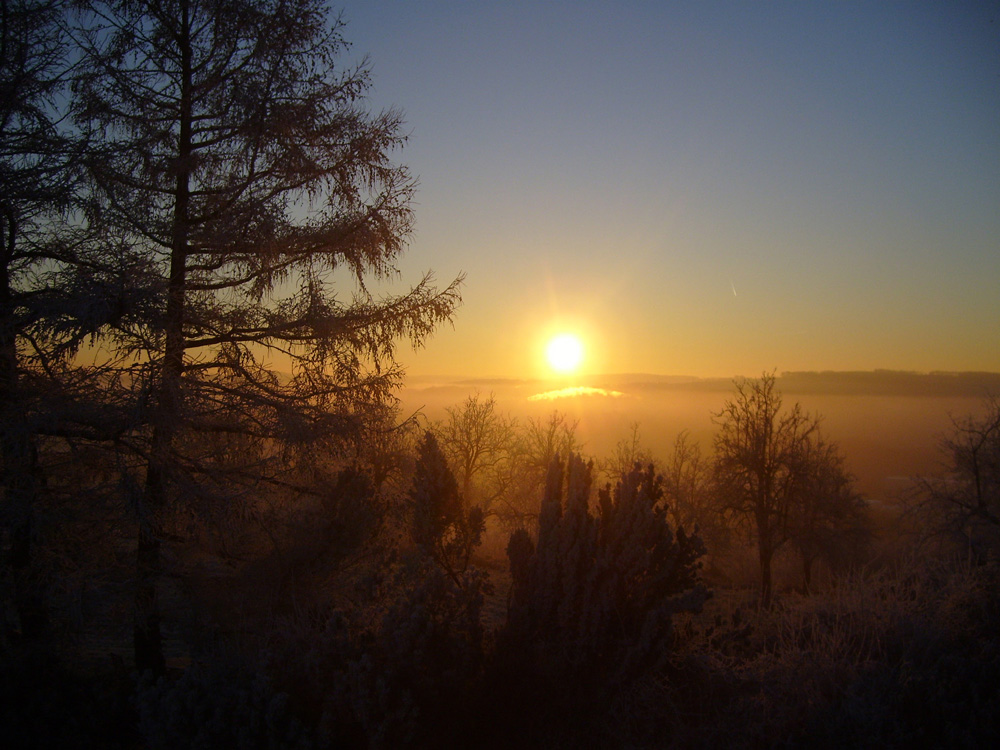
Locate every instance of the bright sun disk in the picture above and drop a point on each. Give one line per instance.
(565, 353)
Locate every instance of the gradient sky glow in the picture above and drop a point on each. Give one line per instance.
(700, 188)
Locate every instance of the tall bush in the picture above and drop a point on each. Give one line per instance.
(592, 601)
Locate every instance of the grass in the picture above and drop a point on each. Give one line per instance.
(883, 659)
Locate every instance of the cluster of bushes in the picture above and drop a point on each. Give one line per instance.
(908, 655)
(384, 642)
(895, 658)
(367, 614)
(609, 637)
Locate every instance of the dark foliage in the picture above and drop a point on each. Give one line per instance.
(45, 704)
(219, 703)
(963, 507)
(35, 188)
(899, 659)
(443, 527)
(592, 603)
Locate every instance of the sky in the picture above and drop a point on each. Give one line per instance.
(699, 188)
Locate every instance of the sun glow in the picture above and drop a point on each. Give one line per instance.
(564, 353)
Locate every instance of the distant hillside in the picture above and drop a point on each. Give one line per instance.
(892, 383)
(829, 382)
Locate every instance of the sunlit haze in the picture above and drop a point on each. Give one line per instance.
(706, 188)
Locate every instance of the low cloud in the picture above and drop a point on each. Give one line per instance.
(579, 390)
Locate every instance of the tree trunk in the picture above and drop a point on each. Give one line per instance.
(20, 485)
(765, 555)
(148, 640)
(807, 563)
(20, 474)
(147, 637)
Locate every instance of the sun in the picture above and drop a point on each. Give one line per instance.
(565, 353)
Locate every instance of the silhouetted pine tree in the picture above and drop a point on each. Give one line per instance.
(442, 526)
(591, 604)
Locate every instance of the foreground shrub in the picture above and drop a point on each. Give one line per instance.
(592, 602)
(897, 658)
(219, 702)
(46, 704)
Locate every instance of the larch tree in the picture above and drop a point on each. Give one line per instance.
(760, 465)
(36, 189)
(250, 184)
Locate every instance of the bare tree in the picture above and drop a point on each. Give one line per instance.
(686, 484)
(626, 454)
(760, 465)
(246, 179)
(966, 501)
(524, 473)
(478, 440)
(829, 519)
(545, 439)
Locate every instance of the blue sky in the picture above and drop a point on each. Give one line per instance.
(702, 188)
